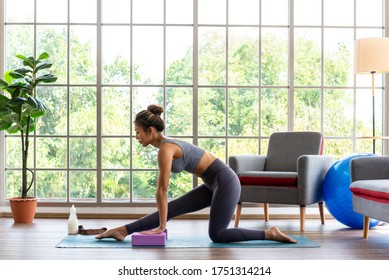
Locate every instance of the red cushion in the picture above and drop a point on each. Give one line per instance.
(268, 181)
(382, 197)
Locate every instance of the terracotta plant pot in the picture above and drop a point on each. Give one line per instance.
(23, 210)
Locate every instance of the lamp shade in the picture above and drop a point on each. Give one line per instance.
(371, 55)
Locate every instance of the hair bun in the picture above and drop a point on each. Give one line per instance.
(155, 109)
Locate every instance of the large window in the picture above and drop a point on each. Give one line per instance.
(228, 72)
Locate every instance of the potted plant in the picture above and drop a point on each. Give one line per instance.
(19, 111)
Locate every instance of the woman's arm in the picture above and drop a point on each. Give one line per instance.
(165, 158)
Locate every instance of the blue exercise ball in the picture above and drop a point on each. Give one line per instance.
(337, 194)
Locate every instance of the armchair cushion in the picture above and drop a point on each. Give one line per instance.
(286, 147)
(268, 178)
(375, 190)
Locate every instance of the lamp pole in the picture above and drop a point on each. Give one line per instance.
(373, 101)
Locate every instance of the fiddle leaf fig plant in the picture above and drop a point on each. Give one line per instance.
(20, 109)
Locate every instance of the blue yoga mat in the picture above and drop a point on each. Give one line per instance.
(179, 241)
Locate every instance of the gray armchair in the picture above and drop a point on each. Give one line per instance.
(370, 188)
(292, 173)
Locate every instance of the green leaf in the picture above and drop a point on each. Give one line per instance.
(16, 75)
(37, 113)
(13, 129)
(47, 78)
(41, 106)
(7, 77)
(43, 66)
(4, 125)
(31, 101)
(3, 84)
(22, 71)
(3, 100)
(43, 55)
(22, 57)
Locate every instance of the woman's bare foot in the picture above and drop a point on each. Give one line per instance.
(118, 233)
(275, 234)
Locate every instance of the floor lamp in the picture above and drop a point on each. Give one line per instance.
(371, 56)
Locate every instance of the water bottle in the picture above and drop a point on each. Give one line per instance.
(73, 221)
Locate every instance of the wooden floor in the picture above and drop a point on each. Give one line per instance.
(37, 242)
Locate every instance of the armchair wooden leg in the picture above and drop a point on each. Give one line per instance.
(366, 224)
(237, 213)
(266, 211)
(321, 210)
(302, 217)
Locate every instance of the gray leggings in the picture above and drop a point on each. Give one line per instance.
(220, 191)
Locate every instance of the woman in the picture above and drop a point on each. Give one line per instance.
(220, 191)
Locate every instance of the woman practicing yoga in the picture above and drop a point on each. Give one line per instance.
(220, 191)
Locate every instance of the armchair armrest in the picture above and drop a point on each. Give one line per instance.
(242, 163)
(311, 170)
(369, 168)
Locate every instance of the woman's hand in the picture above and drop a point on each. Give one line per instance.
(153, 231)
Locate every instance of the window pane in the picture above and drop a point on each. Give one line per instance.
(212, 56)
(54, 122)
(144, 157)
(243, 12)
(179, 111)
(179, 11)
(264, 146)
(13, 153)
(53, 39)
(147, 11)
(243, 56)
(307, 57)
(147, 54)
(338, 148)
(243, 108)
(51, 184)
(179, 184)
(116, 52)
(51, 152)
(83, 185)
(275, 12)
(212, 112)
(370, 12)
(116, 185)
(78, 8)
(338, 112)
(116, 11)
(49, 11)
(14, 35)
(116, 152)
(366, 146)
(274, 60)
(214, 146)
(143, 185)
(179, 55)
(339, 13)
(144, 96)
(364, 112)
(307, 12)
(13, 12)
(14, 181)
(307, 110)
(212, 12)
(274, 111)
(82, 111)
(116, 111)
(243, 146)
(82, 54)
(338, 57)
(82, 153)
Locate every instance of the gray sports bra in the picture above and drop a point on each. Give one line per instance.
(190, 159)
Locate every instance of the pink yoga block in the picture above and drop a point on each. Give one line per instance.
(159, 239)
